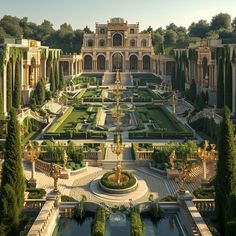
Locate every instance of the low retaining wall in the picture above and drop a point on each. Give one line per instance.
(118, 191)
(161, 172)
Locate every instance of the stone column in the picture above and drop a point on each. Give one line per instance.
(204, 169)
(33, 170)
(72, 68)
(76, 68)
(22, 72)
(45, 70)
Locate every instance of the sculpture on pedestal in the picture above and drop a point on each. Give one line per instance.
(32, 155)
(204, 154)
(55, 173)
(172, 158)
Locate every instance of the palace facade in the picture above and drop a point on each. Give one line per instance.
(35, 63)
(116, 45)
(212, 64)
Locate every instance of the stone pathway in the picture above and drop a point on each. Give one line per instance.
(79, 185)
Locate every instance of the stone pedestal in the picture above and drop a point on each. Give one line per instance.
(204, 182)
(172, 174)
(56, 197)
(32, 183)
(184, 196)
(65, 174)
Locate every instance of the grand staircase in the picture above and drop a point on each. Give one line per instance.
(110, 77)
(125, 158)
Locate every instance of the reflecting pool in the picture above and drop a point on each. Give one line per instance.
(117, 225)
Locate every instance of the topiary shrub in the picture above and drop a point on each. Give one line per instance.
(136, 226)
(98, 225)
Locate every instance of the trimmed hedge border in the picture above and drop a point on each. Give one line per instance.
(57, 124)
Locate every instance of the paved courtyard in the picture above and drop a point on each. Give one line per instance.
(79, 185)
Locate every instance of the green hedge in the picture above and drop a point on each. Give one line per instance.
(136, 226)
(131, 182)
(207, 126)
(160, 135)
(59, 122)
(75, 135)
(36, 193)
(98, 225)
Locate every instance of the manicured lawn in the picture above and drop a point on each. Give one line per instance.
(159, 119)
(76, 117)
(142, 79)
(94, 93)
(144, 93)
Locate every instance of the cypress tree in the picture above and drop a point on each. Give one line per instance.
(57, 77)
(220, 99)
(225, 181)
(62, 80)
(17, 88)
(39, 92)
(52, 81)
(182, 81)
(193, 90)
(1, 98)
(12, 185)
(228, 84)
(9, 86)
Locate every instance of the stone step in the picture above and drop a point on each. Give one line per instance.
(112, 164)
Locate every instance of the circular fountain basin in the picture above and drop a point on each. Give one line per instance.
(119, 188)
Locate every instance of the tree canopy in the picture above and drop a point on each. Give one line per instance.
(164, 39)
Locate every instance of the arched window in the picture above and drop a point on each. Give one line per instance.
(101, 43)
(101, 62)
(117, 40)
(117, 62)
(144, 43)
(132, 43)
(90, 43)
(88, 62)
(133, 63)
(146, 63)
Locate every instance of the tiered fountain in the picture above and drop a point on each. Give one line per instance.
(118, 181)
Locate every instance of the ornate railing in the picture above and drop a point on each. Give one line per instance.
(206, 205)
(199, 226)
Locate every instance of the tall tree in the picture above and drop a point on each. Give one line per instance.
(12, 185)
(221, 21)
(39, 93)
(52, 80)
(1, 93)
(170, 37)
(199, 29)
(57, 76)
(17, 88)
(62, 80)
(225, 181)
(193, 90)
(9, 86)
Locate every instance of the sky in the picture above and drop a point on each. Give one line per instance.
(79, 13)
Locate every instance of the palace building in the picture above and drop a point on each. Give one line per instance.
(35, 62)
(116, 45)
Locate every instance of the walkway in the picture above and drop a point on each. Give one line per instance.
(79, 185)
